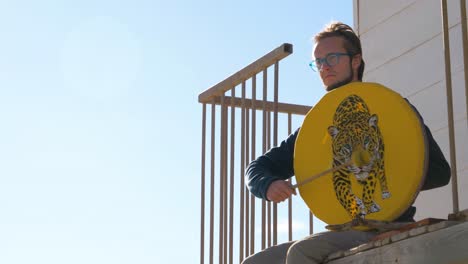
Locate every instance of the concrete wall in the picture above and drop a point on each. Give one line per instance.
(403, 49)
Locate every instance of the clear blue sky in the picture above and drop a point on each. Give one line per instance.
(101, 127)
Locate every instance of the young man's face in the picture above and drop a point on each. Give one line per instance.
(343, 72)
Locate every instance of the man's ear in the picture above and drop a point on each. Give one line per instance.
(356, 61)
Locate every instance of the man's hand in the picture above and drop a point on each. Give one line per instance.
(279, 191)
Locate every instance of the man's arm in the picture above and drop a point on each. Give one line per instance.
(276, 164)
(438, 170)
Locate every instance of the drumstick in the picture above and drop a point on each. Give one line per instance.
(318, 175)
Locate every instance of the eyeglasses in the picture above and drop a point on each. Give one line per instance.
(331, 59)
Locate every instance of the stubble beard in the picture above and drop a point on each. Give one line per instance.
(343, 82)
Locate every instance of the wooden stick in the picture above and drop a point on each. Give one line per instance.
(318, 175)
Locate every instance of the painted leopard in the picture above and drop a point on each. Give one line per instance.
(356, 137)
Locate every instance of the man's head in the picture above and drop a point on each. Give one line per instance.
(338, 55)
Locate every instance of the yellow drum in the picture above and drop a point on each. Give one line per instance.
(380, 139)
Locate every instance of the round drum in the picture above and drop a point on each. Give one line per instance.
(380, 139)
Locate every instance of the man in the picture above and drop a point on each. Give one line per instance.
(338, 59)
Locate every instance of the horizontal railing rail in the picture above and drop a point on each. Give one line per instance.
(269, 106)
(246, 73)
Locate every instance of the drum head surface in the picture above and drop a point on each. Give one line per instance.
(379, 134)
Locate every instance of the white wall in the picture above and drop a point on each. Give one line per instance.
(403, 50)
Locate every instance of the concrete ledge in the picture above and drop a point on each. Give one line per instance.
(444, 242)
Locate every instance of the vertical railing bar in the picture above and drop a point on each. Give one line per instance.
(212, 184)
(267, 222)
(225, 183)
(290, 236)
(275, 143)
(252, 201)
(465, 49)
(231, 184)
(311, 223)
(247, 193)
(264, 149)
(221, 182)
(268, 133)
(202, 191)
(242, 180)
(448, 85)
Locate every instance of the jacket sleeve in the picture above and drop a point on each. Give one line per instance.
(438, 170)
(276, 164)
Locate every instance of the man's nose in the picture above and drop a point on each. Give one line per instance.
(325, 66)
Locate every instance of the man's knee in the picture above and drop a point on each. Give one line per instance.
(308, 251)
(258, 258)
(272, 255)
(248, 260)
(254, 258)
(296, 253)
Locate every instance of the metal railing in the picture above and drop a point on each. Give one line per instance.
(448, 85)
(228, 196)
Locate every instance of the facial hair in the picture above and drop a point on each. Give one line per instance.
(343, 82)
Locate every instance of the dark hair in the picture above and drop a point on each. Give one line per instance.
(352, 43)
